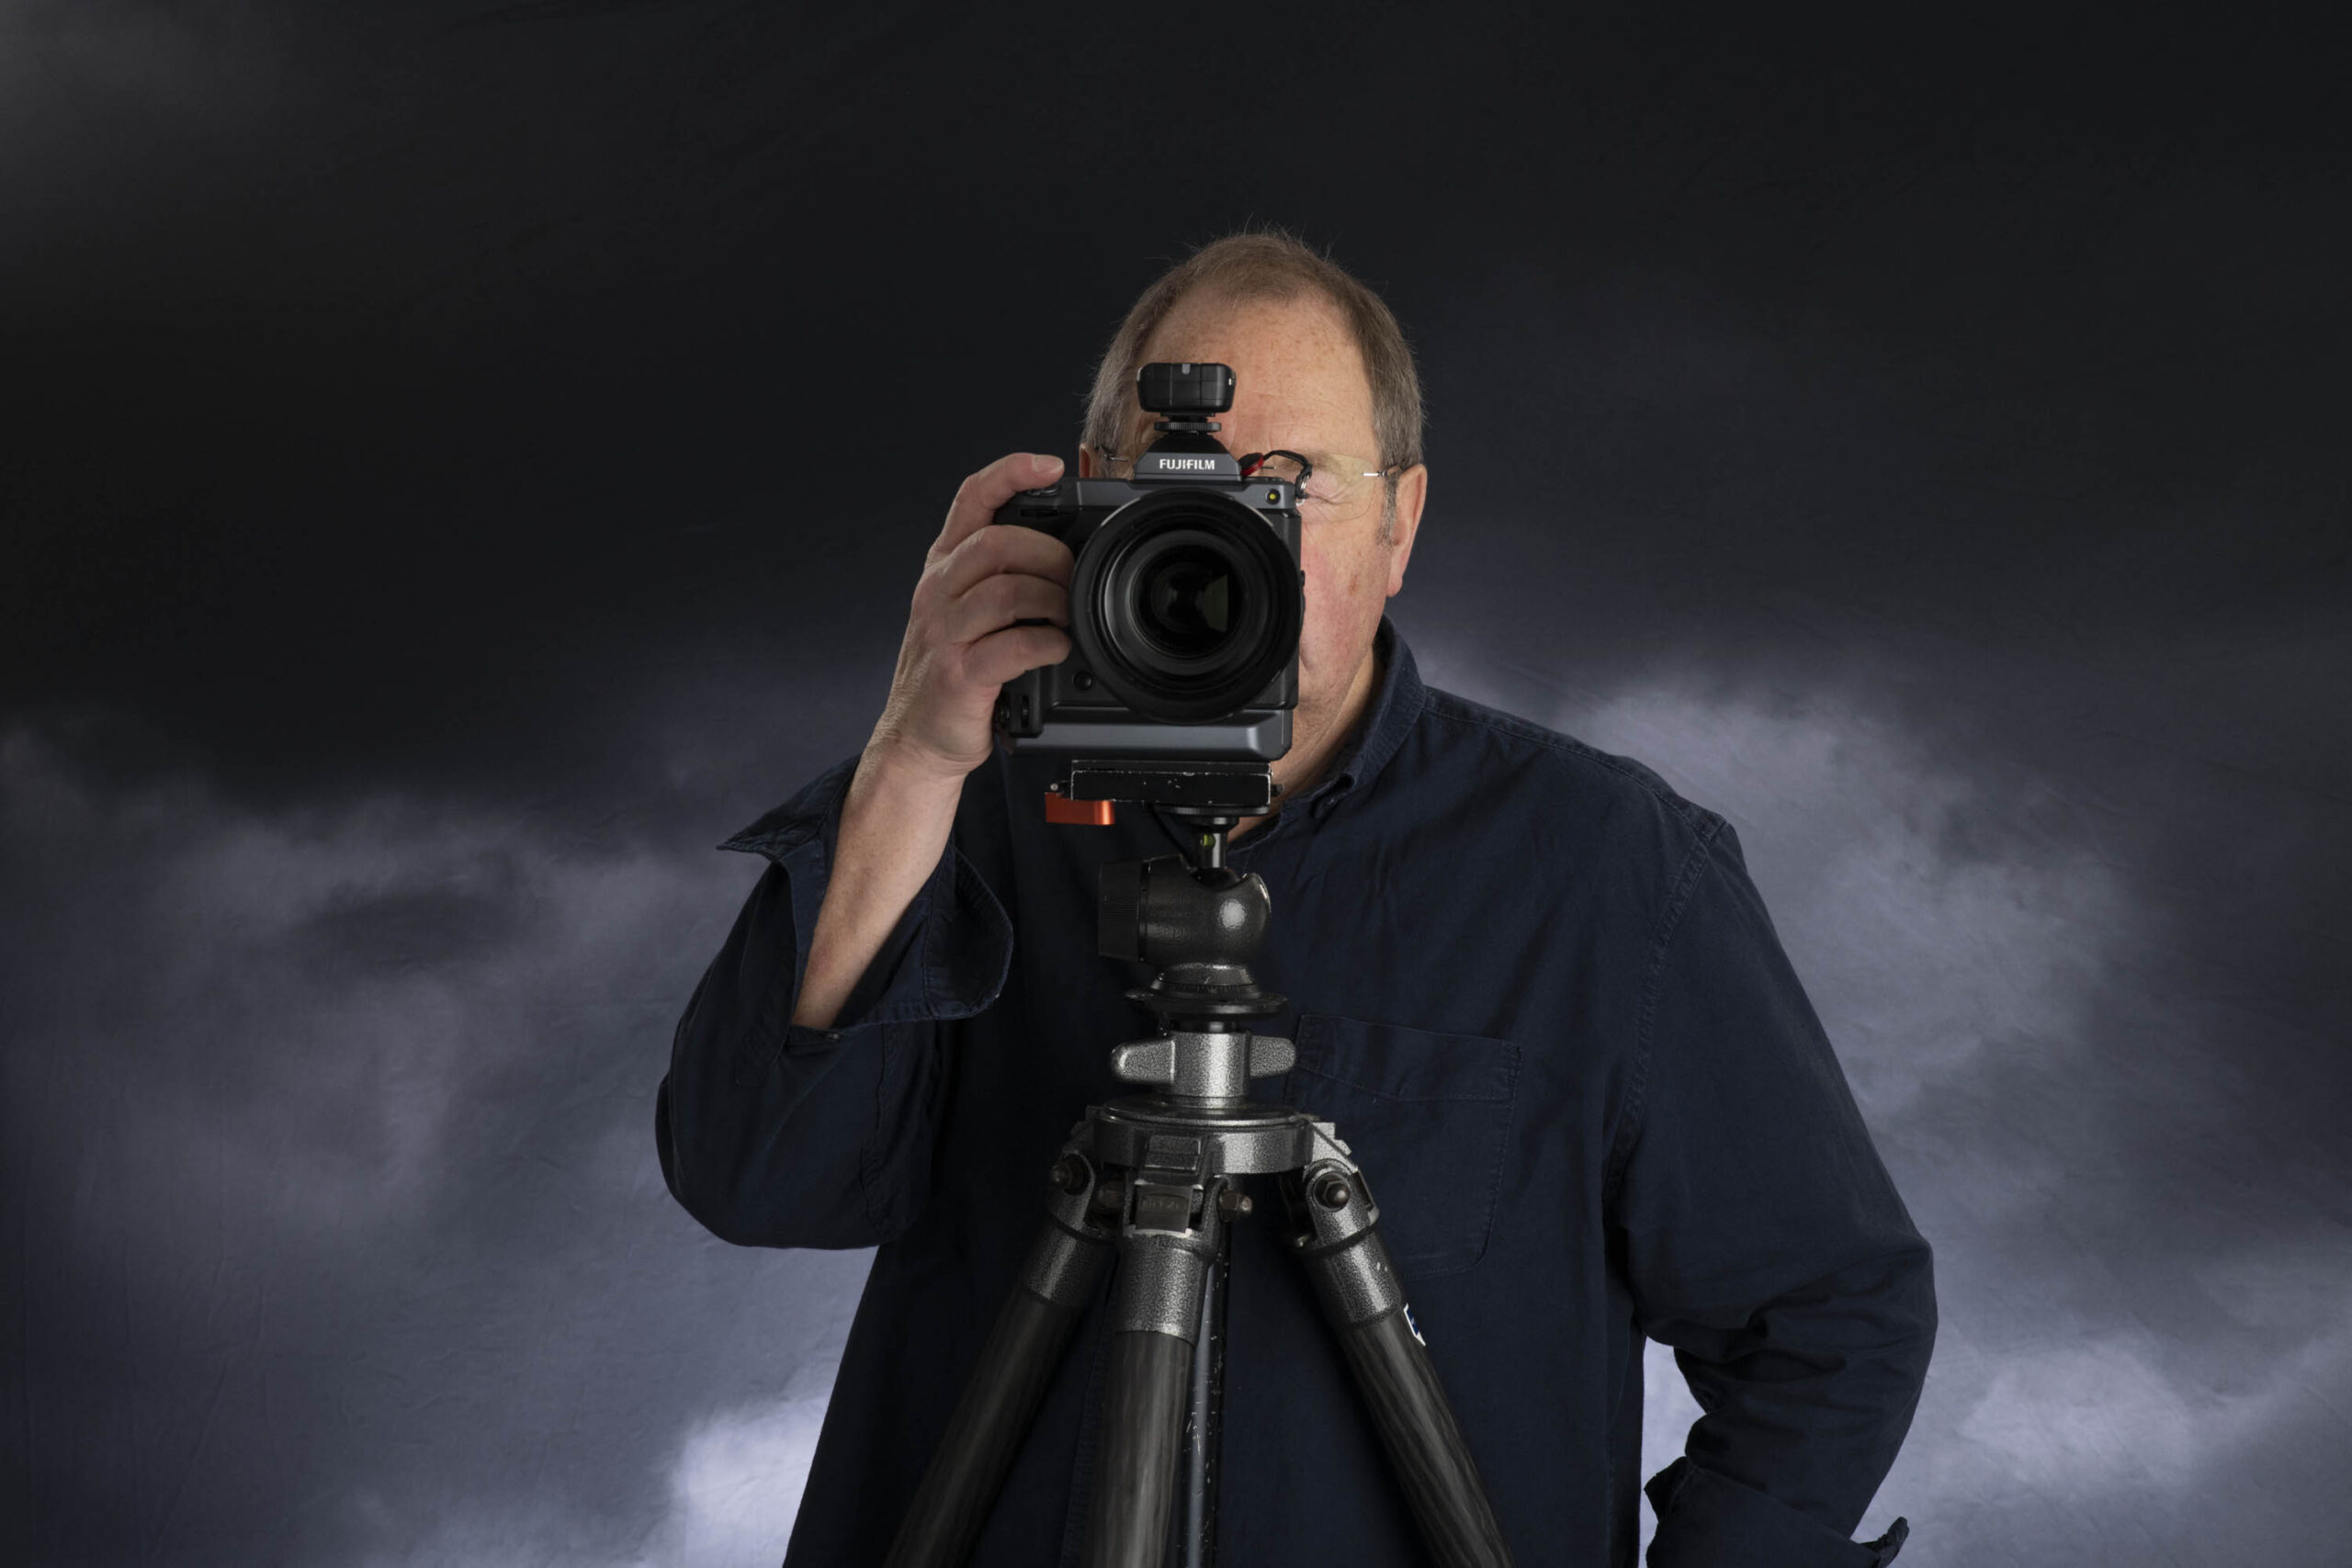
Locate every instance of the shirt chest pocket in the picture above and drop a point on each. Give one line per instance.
(1428, 1118)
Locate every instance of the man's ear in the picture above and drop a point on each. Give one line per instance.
(1085, 461)
(1412, 494)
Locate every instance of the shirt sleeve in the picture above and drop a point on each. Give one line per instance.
(771, 1133)
(1765, 1242)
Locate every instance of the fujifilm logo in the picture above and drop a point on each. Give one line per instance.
(1188, 462)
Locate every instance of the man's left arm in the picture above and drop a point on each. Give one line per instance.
(1764, 1241)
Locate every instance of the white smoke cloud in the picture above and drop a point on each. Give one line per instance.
(732, 1487)
(301, 1005)
(1926, 926)
(272, 1041)
(735, 1487)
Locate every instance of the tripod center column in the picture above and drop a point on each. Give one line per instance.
(1211, 1065)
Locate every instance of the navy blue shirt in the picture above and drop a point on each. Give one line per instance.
(1540, 996)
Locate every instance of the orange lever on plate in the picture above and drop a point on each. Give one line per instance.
(1077, 813)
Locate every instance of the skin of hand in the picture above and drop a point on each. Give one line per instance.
(961, 644)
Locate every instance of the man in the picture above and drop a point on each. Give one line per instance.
(1533, 987)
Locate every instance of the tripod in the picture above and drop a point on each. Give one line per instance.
(1157, 1178)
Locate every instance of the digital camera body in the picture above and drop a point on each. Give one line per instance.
(1186, 600)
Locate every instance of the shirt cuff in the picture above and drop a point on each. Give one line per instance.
(947, 959)
(1705, 1520)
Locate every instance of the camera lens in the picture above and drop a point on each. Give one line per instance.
(1186, 605)
(1186, 600)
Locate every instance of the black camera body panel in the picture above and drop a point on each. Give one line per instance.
(1069, 708)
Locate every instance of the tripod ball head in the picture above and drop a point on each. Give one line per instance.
(1167, 912)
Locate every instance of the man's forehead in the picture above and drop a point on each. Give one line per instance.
(1294, 360)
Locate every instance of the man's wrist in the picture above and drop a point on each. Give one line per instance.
(894, 822)
(906, 773)
(899, 797)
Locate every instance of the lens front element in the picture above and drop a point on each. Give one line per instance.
(1185, 594)
(1186, 605)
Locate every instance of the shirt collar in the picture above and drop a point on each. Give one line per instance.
(1396, 706)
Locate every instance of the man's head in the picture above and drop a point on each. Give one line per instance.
(1321, 368)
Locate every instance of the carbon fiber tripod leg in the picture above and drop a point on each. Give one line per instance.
(1032, 1333)
(1360, 1296)
(1195, 1543)
(1155, 1316)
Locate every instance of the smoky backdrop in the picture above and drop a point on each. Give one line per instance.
(463, 460)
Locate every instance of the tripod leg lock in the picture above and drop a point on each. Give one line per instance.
(1066, 1262)
(1160, 1273)
(1339, 1243)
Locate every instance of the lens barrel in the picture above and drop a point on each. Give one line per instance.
(1185, 605)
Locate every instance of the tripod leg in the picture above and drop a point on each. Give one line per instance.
(1155, 1314)
(1031, 1333)
(1348, 1264)
(1195, 1543)
(1143, 1432)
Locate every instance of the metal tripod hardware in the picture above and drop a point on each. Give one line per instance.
(1365, 1305)
(1215, 1066)
(1157, 1179)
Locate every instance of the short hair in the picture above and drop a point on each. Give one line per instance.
(1275, 264)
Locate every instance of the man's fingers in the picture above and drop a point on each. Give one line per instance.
(993, 551)
(1000, 656)
(995, 602)
(978, 497)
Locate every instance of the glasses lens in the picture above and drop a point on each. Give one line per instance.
(1335, 482)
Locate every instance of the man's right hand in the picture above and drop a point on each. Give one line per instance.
(939, 724)
(962, 643)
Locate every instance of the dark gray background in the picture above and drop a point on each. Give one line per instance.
(460, 461)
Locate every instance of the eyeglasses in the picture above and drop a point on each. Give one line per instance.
(1330, 484)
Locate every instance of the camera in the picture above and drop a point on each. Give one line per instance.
(1185, 603)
